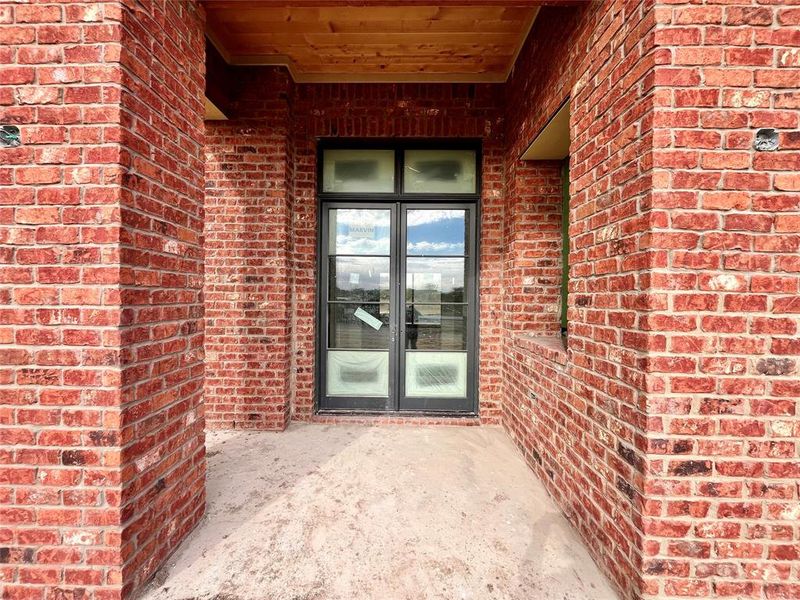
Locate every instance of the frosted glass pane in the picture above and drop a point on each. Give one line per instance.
(358, 171)
(360, 231)
(440, 171)
(436, 374)
(358, 373)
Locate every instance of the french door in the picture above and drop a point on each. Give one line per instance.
(398, 307)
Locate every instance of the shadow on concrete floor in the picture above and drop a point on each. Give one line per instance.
(351, 512)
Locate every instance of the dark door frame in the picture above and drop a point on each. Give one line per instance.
(400, 201)
(430, 403)
(355, 403)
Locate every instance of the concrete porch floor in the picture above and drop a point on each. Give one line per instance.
(355, 512)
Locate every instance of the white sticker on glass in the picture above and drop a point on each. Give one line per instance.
(367, 318)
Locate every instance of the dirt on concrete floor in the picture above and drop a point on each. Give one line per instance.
(323, 512)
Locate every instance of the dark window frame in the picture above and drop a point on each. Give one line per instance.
(564, 246)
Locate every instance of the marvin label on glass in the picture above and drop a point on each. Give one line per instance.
(362, 230)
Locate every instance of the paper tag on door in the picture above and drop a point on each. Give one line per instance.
(367, 318)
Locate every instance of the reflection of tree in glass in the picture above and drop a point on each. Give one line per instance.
(436, 327)
(457, 295)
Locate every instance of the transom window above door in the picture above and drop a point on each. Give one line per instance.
(411, 169)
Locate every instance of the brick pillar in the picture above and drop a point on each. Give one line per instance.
(668, 432)
(247, 286)
(101, 425)
(722, 508)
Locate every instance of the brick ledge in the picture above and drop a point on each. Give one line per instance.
(551, 348)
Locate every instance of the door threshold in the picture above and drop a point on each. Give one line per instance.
(396, 418)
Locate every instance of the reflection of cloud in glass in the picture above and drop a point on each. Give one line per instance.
(362, 231)
(435, 248)
(379, 218)
(347, 245)
(436, 232)
(423, 217)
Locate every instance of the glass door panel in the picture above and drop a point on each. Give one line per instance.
(436, 232)
(359, 279)
(436, 375)
(360, 232)
(437, 334)
(358, 374)
(436, 327)
(358, 341)
(435, 279)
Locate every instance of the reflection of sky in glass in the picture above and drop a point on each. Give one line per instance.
(367, 231)
(435, 232)
(361, 231)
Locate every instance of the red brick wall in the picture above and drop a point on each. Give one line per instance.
(247, 230)
(161, 279)
(578, 415)
(60, 377)
(97, 375)
(247, 379)
(721, 516)
(532, 247)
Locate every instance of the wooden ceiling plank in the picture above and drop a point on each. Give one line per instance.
(266, 13)
(456, 67)
(411, 26)
(302, 55)
(476, 39)
(379, 13)
(470, 12)
(409, 60)
(286, 27)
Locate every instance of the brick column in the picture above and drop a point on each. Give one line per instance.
(723, 429)
(101, 425)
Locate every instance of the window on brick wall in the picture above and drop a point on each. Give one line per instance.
(564, 244)
(538, 232)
